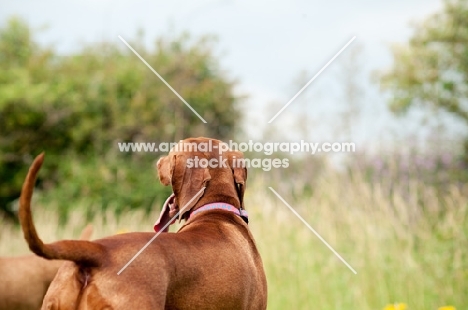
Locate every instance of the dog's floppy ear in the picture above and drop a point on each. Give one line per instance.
(165, 166)
(239, 171)
(187, 181)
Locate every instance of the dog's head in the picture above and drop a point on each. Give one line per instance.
(201, 171)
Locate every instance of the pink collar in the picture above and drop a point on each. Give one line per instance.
(222, 206)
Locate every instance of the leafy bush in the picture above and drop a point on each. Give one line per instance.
(77, 107)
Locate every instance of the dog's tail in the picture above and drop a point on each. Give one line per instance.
(79, 251)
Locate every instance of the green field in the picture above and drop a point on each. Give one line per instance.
(402, 254)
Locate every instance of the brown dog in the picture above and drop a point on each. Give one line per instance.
(24, 280)
(211, 263)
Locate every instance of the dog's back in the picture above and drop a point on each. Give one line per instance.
(217, 265)
(212, 263)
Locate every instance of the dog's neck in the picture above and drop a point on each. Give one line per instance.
(168, 213)
(221, 206)
(209, 198)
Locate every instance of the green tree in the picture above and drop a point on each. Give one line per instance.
(77, 108)
(432, 69)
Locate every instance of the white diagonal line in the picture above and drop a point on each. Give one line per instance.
(164, 81)
(313, 78)
(313, 230)
(162, 229)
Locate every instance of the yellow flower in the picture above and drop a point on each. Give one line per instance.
(447, 308)
(396, 306)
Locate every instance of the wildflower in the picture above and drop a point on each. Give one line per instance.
(401, 306)
(447, 308)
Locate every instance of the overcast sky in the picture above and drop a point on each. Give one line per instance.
(264, 44)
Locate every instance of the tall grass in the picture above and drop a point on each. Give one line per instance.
(403, 253)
